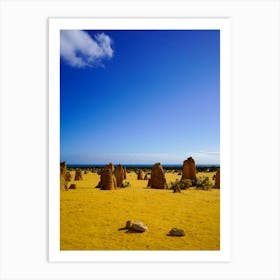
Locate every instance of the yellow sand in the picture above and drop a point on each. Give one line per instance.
(90, 219)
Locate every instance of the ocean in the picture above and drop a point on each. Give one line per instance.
(144, 166)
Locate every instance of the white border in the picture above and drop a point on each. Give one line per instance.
(224, 25)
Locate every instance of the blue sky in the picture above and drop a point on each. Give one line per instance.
(140, 96)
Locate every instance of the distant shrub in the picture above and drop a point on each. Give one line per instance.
(186, 183)
(175, 186)
(180, 184)
(203, 183)
(125, 184)
(172, 185)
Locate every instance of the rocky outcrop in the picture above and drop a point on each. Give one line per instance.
(107, 178)
(189, 170)
(63, 168)
(111, 166)
(78, 175)
(63, 182)
(139, 175)
(120, 175)
(68, 176)
(158, 180)
(217, 179)
(124, 169)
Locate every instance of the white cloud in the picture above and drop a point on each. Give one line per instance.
(80, 50)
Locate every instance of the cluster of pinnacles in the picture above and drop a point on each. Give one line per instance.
(111, 178)
(158, 180)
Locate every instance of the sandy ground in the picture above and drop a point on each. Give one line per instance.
(90, 219)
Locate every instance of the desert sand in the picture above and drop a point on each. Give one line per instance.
(91, 219)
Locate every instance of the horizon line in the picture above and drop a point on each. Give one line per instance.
(206, 164)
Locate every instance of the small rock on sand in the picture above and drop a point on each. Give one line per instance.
(136, 226)
(176, 232)
(128, 224)
(139, 226)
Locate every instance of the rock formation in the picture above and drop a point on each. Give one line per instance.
(63, 167)
(217, 179)
(189, 170)
(139, 175)
(111, 166)
(63, 182)
(158, 180)
(68, 176)
(78, 175)
(124, 169)
(107, 178)
(120, 175)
